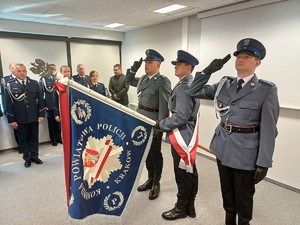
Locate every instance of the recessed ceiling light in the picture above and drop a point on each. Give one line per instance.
(114, 25)
(170, 8)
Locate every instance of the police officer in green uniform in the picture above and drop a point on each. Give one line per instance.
(153, 91)
(244, 140)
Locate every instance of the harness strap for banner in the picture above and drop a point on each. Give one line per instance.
(186, 152)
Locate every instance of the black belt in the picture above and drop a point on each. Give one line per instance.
(149, 109)
(192, 119)
(240, 129)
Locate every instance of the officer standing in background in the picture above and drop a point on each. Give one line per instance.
(47, 85)
(4, 81)
(182, 123)
(81, 77)
(117, 86)
(244, 140)
(25, 110)
(153, 91)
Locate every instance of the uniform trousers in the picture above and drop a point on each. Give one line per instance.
(187, 183)
(28, 140)
(154, 161)
(237, 191)
(53, 127)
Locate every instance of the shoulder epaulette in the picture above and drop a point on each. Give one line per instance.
(267, 82)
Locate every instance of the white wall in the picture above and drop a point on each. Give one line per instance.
(169, 37)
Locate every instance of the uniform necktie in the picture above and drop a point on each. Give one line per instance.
(239, 85)
(23, 83)
(146, 80)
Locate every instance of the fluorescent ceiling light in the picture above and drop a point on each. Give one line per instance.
(170, 8)
(114, 25)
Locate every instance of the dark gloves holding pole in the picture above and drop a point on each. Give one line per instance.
(260, 174)
(216, 65)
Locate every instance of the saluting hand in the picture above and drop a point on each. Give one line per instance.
(216, 65)
(136, 65)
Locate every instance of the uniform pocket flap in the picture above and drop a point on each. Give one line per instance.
(249, 105)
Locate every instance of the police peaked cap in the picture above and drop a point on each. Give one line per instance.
(252, 46)
(152, 55)
(183, 56)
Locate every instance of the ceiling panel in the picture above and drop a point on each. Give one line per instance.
(96, 14)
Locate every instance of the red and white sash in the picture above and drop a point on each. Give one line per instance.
(187, 153)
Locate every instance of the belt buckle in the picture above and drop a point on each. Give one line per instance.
(228, 126)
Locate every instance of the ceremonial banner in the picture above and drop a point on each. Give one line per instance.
(108, 145)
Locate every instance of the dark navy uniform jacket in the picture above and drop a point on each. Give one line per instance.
(98, 87)
(47, 84)
(24, 104)
(4, 81)
(83, 80)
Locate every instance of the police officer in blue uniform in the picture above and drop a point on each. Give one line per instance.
(244, 140)
(4, 81)
(153, 91)
(47, 86)
(1, 113)
(95, 85)
(25, 110)
(81, 77)
(184, 109)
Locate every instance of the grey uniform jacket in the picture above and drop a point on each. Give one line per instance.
(184, 110)
(155, 93)
(255, 104)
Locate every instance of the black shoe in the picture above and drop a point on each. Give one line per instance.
(174, 214)
(146, 186)
(154, 192)
(37, 161)
(54, 143)
(59, 141)
(20, 152)
(27, 163)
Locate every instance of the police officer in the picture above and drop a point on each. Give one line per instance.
(154, 92)
(181, 126)
(25, 110)
(1, 113)
(244, 140)
(4, 81)
(81, 77)
(47, 85)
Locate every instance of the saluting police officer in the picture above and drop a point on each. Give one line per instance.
(25, 110)
(47, 86)
(244, 140)
(153, 91)
(181, 126)
(81, 77)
